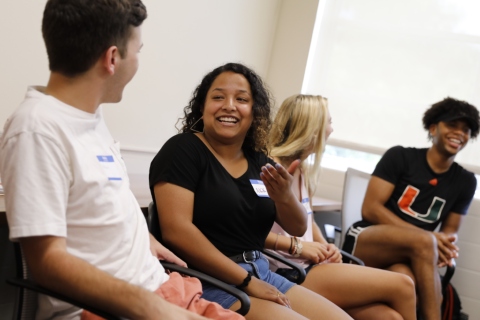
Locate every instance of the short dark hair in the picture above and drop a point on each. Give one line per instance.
(257, 135)
(77, 32)
(452, 109)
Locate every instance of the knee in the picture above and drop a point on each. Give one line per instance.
(391, 314)
(425, 244)
(406, 288)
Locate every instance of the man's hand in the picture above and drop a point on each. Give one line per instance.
(447, 250)
(162, 253)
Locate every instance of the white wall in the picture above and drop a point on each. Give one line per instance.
(183, 40)
(291, 47)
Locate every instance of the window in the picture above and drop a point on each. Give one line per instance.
(381, 64)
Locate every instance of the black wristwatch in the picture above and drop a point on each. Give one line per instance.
(246, 281)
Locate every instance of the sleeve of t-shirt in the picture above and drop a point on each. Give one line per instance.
(179, 162)
(391, 165)
(36, 175)
(465, 199)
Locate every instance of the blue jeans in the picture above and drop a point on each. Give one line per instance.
(260, 269)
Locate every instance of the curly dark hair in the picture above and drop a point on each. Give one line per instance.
(257, 135)
(451, 109)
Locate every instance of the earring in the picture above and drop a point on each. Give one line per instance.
(193, 126)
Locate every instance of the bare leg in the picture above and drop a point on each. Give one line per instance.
(266, 310)
(365, 293)
(314, 306)
(305, 305)
(375, 312)
(382, 246)
(402, 268)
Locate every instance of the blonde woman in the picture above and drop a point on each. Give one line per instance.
(301, 128)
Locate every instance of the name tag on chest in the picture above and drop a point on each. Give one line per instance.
(259, 188)
(109, 167)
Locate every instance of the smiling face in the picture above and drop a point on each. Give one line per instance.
(450, 137)
(227, 112)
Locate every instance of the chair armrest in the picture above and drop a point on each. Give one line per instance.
(347, 258)
(301, 271)
(237, 293)
(330, 231)
(30, 285)
(448, 275)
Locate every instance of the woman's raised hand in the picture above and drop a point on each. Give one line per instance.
(278, 180)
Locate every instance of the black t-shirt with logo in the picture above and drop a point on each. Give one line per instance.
(421, 196)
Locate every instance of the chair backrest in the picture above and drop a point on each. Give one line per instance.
(153, 222)
(10, 296)
(354, 188)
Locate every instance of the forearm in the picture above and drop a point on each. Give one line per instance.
(317, 234)
(291, 215)
(203, 256)
(278, 242)
(61, 272)
(377, 213)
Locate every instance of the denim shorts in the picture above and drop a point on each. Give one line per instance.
(260, 269)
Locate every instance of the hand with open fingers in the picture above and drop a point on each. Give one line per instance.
(334, 254)
(262, 290)
(278, 180)
(314, 252)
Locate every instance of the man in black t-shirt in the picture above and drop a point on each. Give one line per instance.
(410, 193)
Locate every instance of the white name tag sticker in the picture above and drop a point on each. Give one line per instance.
(259, 188)
(109, 166)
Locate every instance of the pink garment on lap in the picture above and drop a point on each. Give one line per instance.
(185, 292)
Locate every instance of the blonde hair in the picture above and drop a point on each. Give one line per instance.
(301, 121)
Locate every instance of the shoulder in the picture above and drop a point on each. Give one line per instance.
(43, 115)
(401, 150)
(181, 138)
(185, 147)
(393, 152)
(30, 115)
(258, 157)
(182, 141)
(466, 177)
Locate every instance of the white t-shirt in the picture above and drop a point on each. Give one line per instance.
(307, 237)
(64, 176)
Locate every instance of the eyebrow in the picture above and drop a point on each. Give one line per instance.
(241, 91)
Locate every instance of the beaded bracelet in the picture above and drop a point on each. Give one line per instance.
(291, 246)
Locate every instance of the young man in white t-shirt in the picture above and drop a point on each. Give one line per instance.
(67, 192)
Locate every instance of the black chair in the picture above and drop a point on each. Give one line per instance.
(26, 299)
(154, 227)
